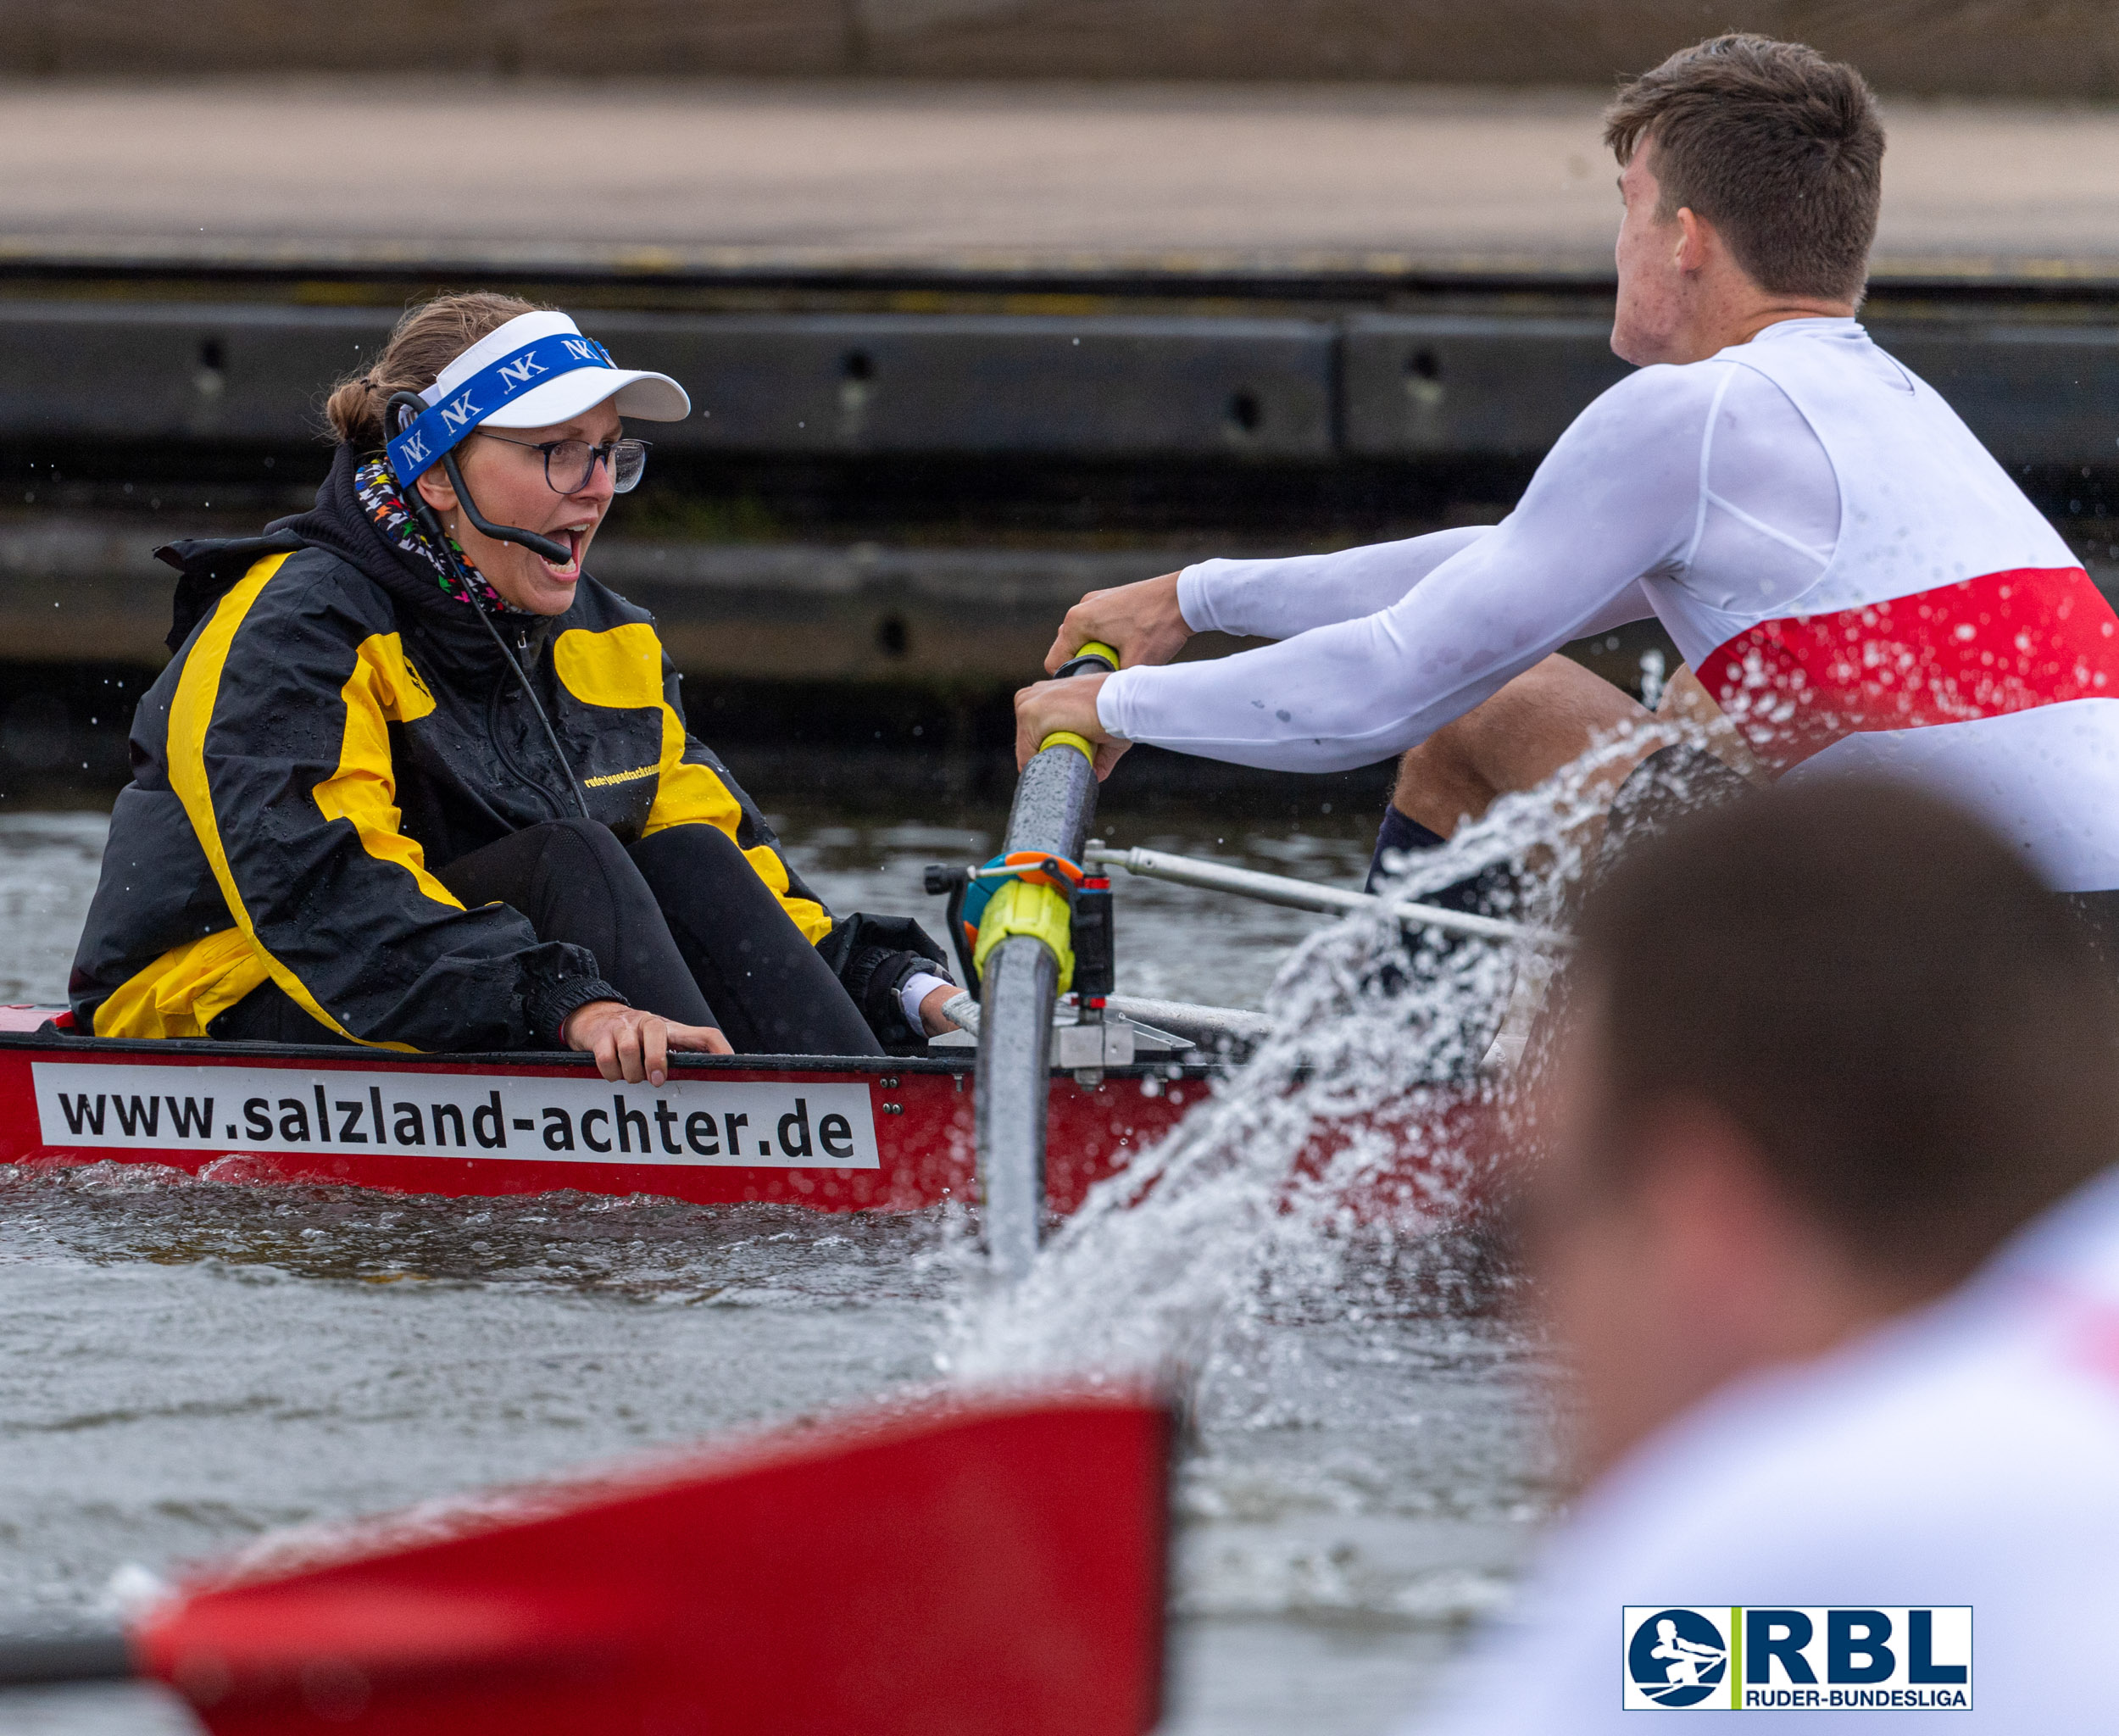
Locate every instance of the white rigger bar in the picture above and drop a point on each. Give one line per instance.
(1305, 895)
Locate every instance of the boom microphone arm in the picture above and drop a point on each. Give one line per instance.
(558, 553)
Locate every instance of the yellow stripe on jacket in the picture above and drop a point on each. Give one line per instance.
(383, 689)
(185, 990)
(622, 667)
(360, 790)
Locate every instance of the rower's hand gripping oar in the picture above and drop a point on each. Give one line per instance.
(1024, 961)
(1092, 659)
(966, 1565)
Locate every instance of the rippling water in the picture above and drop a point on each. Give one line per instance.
(191, 1365)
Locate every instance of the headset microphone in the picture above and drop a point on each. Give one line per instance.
(414, 406)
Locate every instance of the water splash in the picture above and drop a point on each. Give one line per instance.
(1326, 1175)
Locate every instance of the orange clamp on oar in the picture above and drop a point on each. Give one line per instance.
(1092, 659)
(1033, 892)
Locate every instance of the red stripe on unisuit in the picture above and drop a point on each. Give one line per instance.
(2004, 642)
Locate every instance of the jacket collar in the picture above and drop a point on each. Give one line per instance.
(338, 525)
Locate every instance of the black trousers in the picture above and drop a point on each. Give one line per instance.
(680, 924)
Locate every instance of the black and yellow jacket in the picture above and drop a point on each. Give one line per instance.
(333, 727)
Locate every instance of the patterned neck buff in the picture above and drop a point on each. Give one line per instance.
(377, 485)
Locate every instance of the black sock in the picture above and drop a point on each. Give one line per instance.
(1401, 835)
(1478, 894)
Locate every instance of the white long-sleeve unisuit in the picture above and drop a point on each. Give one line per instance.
(1850, 574)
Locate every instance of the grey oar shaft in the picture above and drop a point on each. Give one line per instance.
(1015, 1052)
(1055, 802)
(1305, 895)
(86, 1654)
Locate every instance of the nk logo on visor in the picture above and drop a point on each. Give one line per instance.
(465, 406)
(1721, 1658)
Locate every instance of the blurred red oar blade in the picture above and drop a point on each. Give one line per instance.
(992, 1567)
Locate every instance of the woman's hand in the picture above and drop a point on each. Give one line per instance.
(635, 1046)
(931, 1017)
(1070, 704)
(1142, 620)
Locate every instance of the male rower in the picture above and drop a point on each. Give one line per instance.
(1854, 580)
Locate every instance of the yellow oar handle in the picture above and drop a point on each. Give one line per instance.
(1083, 662)
(1086, 661)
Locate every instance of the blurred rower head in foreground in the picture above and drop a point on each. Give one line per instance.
(1824, 1050)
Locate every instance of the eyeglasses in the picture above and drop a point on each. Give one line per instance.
(570, 464)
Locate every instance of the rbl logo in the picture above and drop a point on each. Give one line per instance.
(1675, 1658)
(1731, 1657)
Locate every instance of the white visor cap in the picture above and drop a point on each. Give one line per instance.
(654, 397)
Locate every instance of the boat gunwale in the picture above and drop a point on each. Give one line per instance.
(343, 1057)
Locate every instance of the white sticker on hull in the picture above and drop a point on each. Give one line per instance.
(789, 1125)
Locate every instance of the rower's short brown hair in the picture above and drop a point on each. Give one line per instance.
(1781, 149)
(1919, 1040)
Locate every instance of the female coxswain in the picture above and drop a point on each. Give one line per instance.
(415, 780)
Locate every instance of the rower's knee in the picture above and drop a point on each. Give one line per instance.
(1440, 782)
(1541, 721)
(699, 864)
(581, 841)
(589, 834)
(579, 859)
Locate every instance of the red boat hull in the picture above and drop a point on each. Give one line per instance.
(835, 1134)
(838, 1135)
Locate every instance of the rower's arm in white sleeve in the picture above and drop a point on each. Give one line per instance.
(1618, 498)
(1279, 598)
